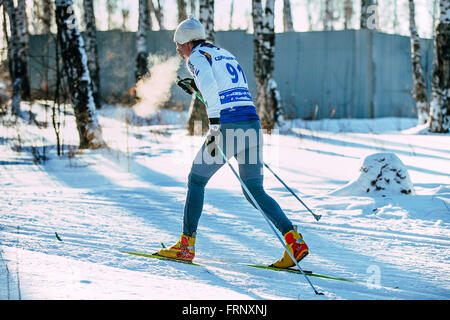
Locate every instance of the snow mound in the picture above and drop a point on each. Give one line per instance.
(380, 174)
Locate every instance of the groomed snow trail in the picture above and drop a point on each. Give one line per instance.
(131, 197)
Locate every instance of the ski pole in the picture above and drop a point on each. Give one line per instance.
(316, 216)
(267, 219)
(188, 89)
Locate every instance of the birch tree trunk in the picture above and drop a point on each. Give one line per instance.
(420, 88)
(206, 17)
(267, 101)
(23, 46)
(197, 110)
(182, 15)
(43, 23)
(92, 51)
(35, 17)
(328, 16)
(308, 10)
(440, 95)
(363, 18)
(15, 63)
(395, 22)
(19, 49)
(434, 17)
(159, 13)
(287, 16)
(125, 16)
(193, 6)
(348, 13)
(111, 7)
(41, 16)
(47, 16)
(230, 24)
(141, 40)
(75, 65)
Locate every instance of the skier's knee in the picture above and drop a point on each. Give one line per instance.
(255, 187)
(197, 180)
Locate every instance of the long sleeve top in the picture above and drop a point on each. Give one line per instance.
(222, 83)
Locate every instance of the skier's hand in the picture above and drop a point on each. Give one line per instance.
(187, 85)
(212, 139)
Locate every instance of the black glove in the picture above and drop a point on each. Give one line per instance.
(188, 85)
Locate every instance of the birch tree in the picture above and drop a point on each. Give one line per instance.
(206, 17)
(92, 51)
(47, 15)
(230, 24)
(125, 16)
(23, 39)
(434, 17)
(42, 16)
(348, 13)
(267, 101)
(309, 12)
(287, 16)
(111, 7)
(440, 95)
(36, 17)
(45, 22)
(193, 6)
(182, 15)
(197, 111)
(141, 40)
(18, 50)
(75, 64)
(395, 21)
(420, 88)
(15, 63)
(328, 16)
(159, 13)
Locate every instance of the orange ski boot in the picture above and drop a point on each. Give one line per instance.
(184, 249)
(298, 248)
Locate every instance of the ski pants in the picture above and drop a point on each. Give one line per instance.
(242, 140)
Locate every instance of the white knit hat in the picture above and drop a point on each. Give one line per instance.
(189, 30)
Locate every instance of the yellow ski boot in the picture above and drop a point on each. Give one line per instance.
(184, 249)
(296, 245)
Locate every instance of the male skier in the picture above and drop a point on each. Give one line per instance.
(223, 86)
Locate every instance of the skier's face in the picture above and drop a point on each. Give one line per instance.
(184, 50)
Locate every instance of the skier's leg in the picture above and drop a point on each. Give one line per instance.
(193, 206)
(251, 172)
(203, 168)
(249, 144)
(253, 178)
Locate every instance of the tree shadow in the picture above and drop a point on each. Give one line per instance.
(155, 206)
(336, 141)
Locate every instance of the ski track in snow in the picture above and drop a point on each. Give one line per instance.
(131, 198)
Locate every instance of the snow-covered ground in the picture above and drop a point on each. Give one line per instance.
(131, 197)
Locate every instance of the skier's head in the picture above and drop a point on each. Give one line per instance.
(187, 31)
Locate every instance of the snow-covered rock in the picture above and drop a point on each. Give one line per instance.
(380, 174)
